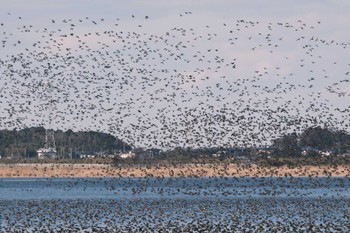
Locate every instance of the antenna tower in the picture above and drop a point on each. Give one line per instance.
(49, 150)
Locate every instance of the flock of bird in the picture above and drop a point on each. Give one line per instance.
(234, 83)
(179, 205)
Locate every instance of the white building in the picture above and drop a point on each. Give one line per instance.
(125, 155)
(45, 153)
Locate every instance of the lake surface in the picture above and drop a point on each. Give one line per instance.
(248, 204)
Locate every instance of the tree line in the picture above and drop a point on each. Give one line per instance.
(24, 143)
(311, 144)
(314, 141)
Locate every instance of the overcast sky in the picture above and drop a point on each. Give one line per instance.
(176, 73)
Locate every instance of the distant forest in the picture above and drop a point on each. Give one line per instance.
(314, 141)
(25, 143)
(314, 145)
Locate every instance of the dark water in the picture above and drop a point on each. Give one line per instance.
(175, 204)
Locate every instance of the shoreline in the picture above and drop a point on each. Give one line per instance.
(182, 170)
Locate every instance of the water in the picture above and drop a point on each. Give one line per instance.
(175, 204)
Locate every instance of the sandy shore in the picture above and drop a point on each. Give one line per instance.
(209, 170)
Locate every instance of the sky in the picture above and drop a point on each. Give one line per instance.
(176, 73)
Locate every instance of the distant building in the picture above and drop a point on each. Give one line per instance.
(325, 153)
(125, 155)
(87, 156)
(264, 152)
(45, 153)
(219, 154)
(111, 156)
